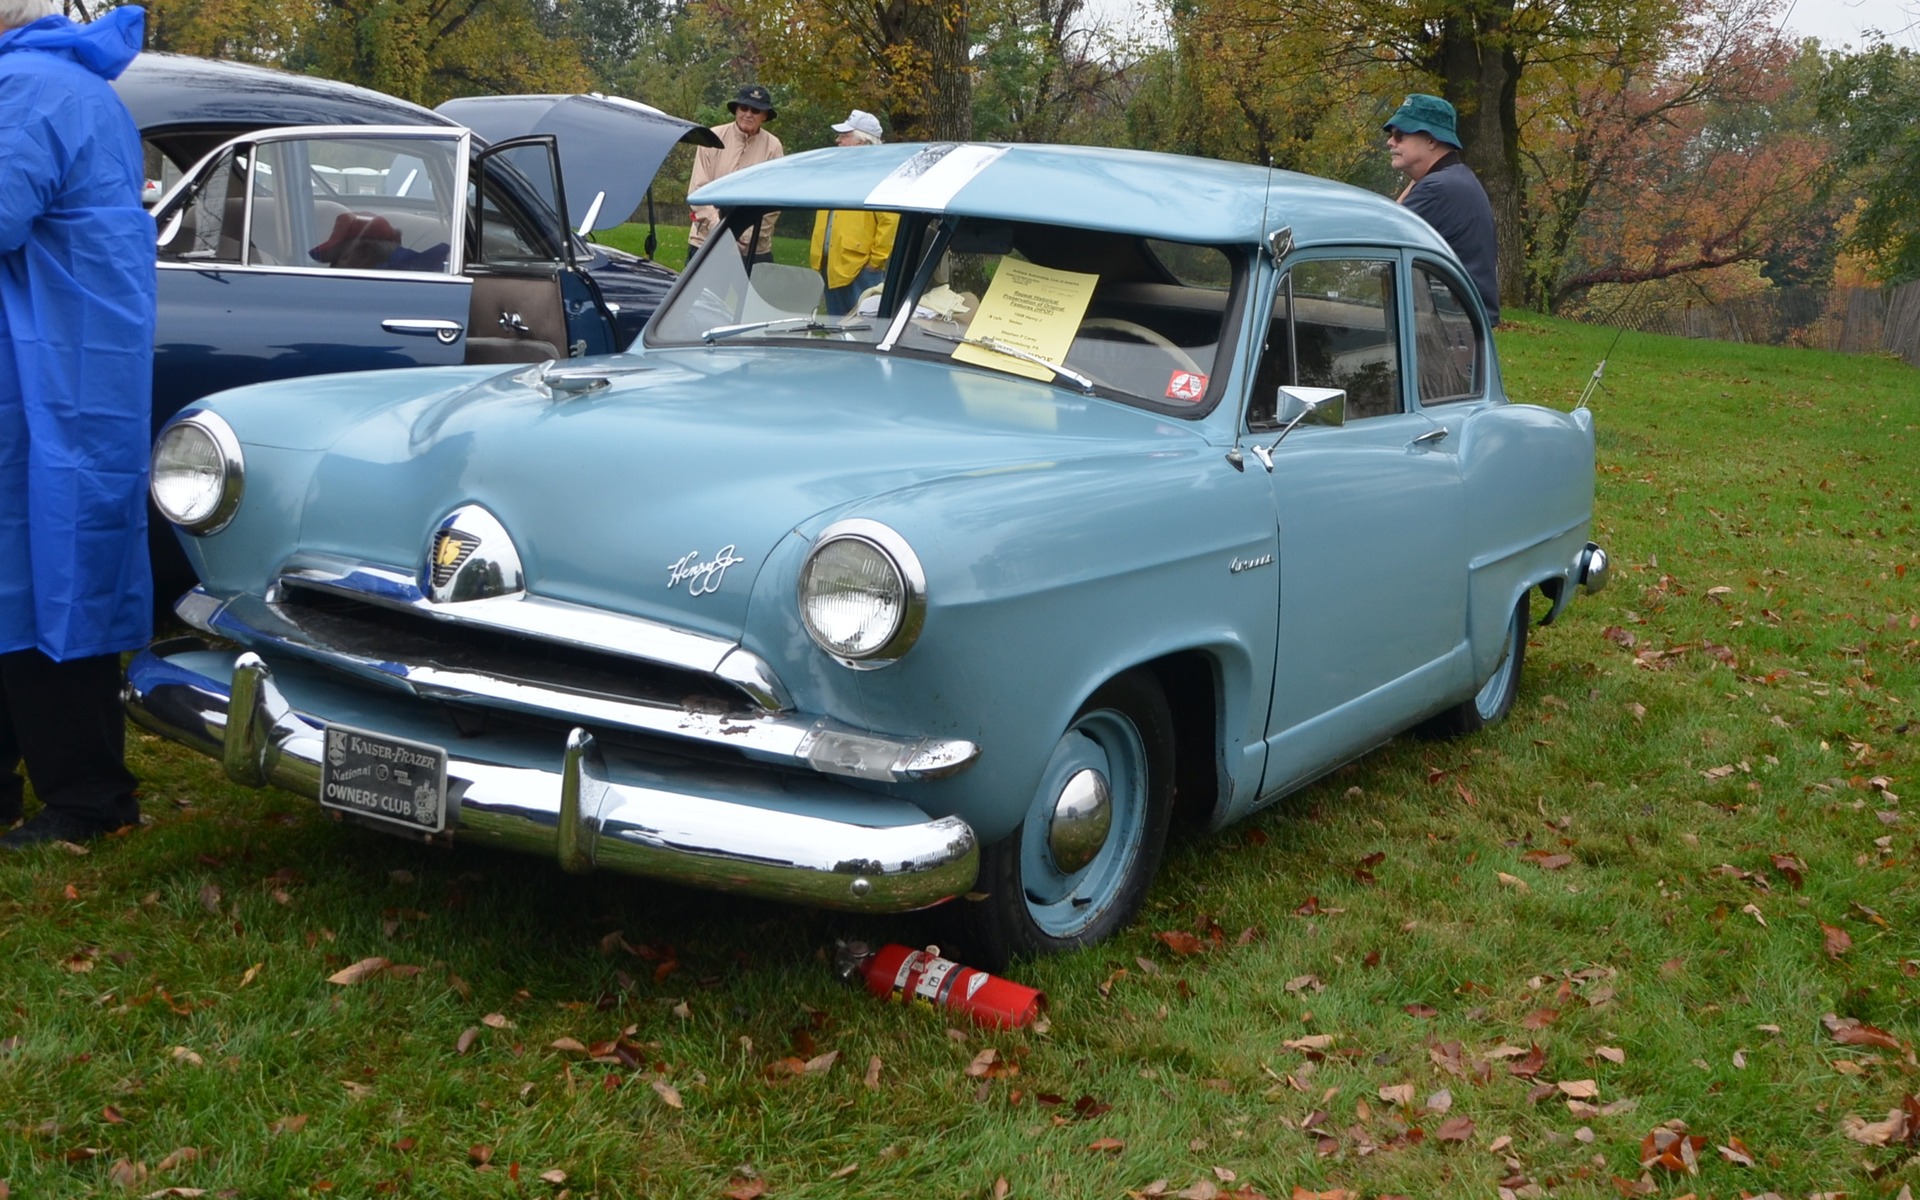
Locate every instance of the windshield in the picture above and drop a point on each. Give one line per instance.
(1135, 318)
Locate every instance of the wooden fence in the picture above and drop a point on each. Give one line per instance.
(1854, 320)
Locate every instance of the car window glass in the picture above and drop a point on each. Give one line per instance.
(1100, 304)
(1333, 326)
(212, 215)
(1194, 266)
(1446, 344)
(518, 207)
(161, 172)
(324, 202)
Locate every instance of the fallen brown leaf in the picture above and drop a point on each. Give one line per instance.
(1877, 1133)
(1849, 1031)
(1180, 941)
(359, 972)
(821, 1064)
(1455, 1129)
(1398, 1093)
(1837, 941)
(1736, 1152)
(667, 1093)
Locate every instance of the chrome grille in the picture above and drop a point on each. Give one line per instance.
(410, 636)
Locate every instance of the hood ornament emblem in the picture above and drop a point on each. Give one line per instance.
(470, 557)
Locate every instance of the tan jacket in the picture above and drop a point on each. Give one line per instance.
(736, 151)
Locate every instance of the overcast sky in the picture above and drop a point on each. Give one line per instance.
(1838, 22)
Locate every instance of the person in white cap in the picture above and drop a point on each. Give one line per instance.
(851, 246)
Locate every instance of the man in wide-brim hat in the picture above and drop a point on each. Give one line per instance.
(744, 141)
(1423, 139)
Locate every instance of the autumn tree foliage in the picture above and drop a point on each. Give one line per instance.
(1699, 164)
(1874, 100)
(421, 50)
(1276, 56)
(905, 58)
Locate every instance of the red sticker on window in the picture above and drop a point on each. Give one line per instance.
(1186, 385)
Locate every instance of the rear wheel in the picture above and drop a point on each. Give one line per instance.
(1491, 704)
(1078, 868)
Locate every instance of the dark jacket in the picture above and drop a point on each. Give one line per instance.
(77, 289)
(1450, 198)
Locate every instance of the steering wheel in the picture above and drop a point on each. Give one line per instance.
(1153, 338)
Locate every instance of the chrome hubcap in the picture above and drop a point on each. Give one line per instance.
(1082, 818)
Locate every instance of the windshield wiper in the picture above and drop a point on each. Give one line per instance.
(1000, 347)
(781, 325)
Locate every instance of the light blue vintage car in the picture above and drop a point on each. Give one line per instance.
(1141, 484)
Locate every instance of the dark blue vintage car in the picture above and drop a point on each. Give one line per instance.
(309, 227)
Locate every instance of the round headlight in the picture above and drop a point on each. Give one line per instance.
(197, 473)
(862, 594)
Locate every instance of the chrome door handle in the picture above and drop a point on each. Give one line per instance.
(1431, 435)
(448, 332)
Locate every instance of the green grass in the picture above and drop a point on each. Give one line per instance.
(168, 989)
(671, 243)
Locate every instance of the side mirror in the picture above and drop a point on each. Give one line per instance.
(1311, 405)
(1294, 405)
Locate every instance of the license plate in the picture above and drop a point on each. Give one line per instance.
(387, 778)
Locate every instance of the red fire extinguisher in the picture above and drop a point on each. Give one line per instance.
(893, 972)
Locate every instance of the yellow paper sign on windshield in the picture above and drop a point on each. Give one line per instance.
(1031, 308)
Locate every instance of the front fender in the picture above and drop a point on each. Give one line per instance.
(1044, 582)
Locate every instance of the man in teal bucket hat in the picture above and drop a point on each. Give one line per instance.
(1422, 137)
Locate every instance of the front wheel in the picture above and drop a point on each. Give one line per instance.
(1078, 867)
(1491, 704)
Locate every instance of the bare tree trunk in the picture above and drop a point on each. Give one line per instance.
(1474, 56)
(935, 34)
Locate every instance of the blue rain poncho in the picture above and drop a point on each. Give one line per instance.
(76, 342)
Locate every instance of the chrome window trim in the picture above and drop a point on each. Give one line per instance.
(326, 272)
(558, 621)
(462, 164)
(913, 580)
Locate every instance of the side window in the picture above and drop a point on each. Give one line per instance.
(1446, 340)
(519, 223)
(333, 204)
(1334, 326)
(211, 217)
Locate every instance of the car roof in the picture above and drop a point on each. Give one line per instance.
(1165, 195)
(165, 91)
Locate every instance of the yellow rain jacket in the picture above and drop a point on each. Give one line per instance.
(860, 240)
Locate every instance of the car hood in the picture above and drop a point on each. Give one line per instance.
(610, 147)
(663, 494)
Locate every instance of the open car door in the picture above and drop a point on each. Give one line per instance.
(531, 302)
(610, 148)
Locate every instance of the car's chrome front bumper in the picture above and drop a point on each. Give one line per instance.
(576, 810)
